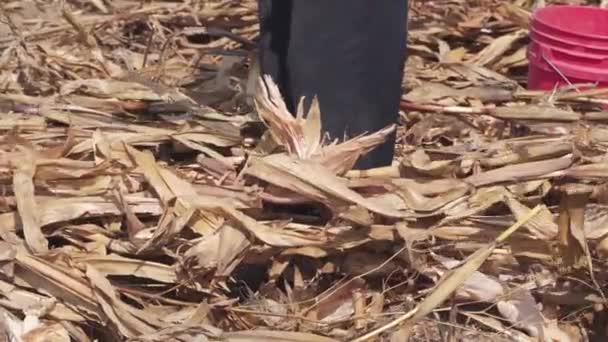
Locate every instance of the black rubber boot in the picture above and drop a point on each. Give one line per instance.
(350, 53)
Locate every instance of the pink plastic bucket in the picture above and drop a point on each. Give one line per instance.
(569, 44)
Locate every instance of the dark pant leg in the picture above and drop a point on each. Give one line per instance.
(275, 18)
(349, 53)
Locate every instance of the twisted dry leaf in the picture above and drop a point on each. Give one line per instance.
(299, 136)
(302, 137)
(23, 185)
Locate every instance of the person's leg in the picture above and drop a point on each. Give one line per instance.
(349, 53)
(274, 17)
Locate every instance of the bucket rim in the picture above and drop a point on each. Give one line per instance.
(572, 53)
(535, 18)
(590, 46)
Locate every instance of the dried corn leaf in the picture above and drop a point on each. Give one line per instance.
(267, 335)
(497, 48)
(571, 236)
(340, 158)
(16, 298)
(542, 225)
(521, 310)
(53, 210)
(272, 237)
(117, 265)
(454, 279)
(23, 185)
(219, 250)
(98, 154)
(521, 172)
(49, 332)
(300, 137)
(312, 181)
(535, 113)
(105, 88)
(69, 286)
(121, 316)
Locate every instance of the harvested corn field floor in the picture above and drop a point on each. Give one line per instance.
(143, 199)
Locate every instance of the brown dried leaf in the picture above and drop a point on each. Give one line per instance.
(118, 265)
(340, 158)
(166, 184)
(291, 132)
(542, 225)
(536, 113)
(19, 299)
(219, 250)
(262, 335)
(526, 153)
(270, 236)
(491, 53)
(23, 185)
(520, 309)
(311, 180)
(573, 243)
(455, 278)
(421, 203)
(55, 210)
(521, 172)
(303, 137)
(478, 287)
(129, 321)
(50, 332)
(107, 88)
(421, 162)
(68, 285)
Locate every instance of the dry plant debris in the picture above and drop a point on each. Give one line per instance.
(144, 200)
